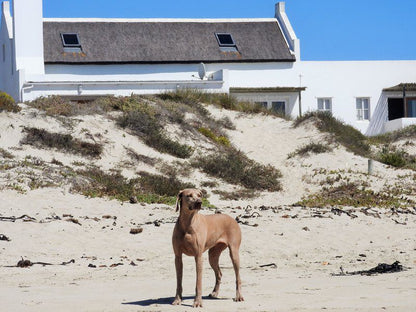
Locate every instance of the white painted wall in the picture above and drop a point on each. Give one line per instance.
(343, 81)
(9, 78)
(28, 35)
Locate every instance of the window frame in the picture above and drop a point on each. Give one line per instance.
(225, 44)
(360, 112)
(70, 45)
(324, 99)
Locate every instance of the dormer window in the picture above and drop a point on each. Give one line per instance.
(71, 42)
(226, 42)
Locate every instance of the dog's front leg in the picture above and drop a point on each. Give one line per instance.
(179, 274)
(198, 290)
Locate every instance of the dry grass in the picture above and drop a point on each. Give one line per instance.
(236, 168)
(7, 103)
(41, 138)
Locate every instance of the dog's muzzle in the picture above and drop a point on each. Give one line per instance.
(196, 206)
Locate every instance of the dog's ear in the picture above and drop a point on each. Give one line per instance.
(179, 201)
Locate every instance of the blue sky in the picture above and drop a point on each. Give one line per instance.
(328, 29)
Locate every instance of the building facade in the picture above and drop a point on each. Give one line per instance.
(258, 60)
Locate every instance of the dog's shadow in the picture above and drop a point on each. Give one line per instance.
(167, 301)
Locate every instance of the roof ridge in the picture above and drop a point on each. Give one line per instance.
(159, 20)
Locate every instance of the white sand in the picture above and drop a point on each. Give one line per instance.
(305, 249)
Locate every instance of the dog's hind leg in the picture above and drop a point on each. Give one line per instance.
(214, 256)
(235, 258)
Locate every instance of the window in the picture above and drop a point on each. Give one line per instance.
(411, 107)
(279, 107)
(325, 104)
(363, 108)
(70, 40)
(262, 104)
(225, 40)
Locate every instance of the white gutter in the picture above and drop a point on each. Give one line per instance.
(127, 82)
(24, 88)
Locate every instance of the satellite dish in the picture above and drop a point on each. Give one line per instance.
(202, 71)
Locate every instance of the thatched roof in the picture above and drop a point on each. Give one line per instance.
(399, 87)
(165, 42)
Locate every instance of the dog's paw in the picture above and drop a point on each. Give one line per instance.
(197, 303)
(177, 301)
(239, 298)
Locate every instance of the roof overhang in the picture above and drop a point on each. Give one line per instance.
(267, 90)
(408, 87)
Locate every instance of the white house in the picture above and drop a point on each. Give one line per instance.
(253, 59)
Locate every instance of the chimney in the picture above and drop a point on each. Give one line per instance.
(28, 36)
(288, 32)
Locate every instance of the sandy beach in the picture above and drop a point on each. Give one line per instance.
(291, 256)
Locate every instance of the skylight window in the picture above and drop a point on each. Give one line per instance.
(225, 40)
(70, 40)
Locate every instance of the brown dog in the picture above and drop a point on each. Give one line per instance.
(194, 234)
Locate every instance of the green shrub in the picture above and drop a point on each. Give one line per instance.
(7, 103)
(314, 148)
(148, 188)
(234, 167)
(144, 122)
(43, 138)
(352, 195)
(396, 158)
(391, 137)
(351, 138)
(222, 140)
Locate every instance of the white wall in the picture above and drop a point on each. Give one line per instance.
(28, 36)
(343, 81)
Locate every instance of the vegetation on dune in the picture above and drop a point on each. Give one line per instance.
(236, 168)
(7, 103)
(148, 188)
(351, 138)
(310, 148)
(65, 142)
(353, 195)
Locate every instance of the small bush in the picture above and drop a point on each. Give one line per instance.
(351, 194)
(396, 158)
(43, 138)
(391, 137)
(7, 103)
(314, 148)
(348, 136)
(234, 167)
(143, 121)
(222, 140)
(148, 188)
(5, 154)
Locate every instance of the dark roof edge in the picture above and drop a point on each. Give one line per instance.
(265, 90)
(399, 87)
(171, 62)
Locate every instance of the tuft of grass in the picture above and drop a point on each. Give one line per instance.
(221, 139)
(351, 194)
(391, 137)
(148, 188)
(55, 105)
(236, 195)
(43, 138)
(5, 154)
(236, 168)
(351, 138)
(7, 103)
(143, 121)
(314, 148)
(396, 158)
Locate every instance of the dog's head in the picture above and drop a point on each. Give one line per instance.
(190, 198)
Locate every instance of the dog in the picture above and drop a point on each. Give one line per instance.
(195, 233)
